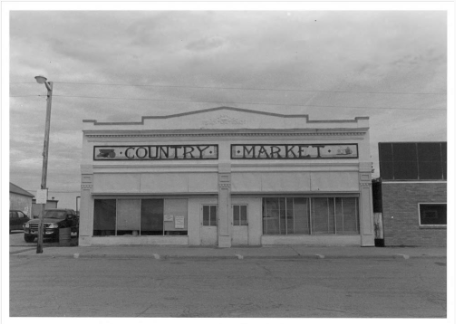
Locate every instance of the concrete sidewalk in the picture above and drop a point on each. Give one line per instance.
(265, 252)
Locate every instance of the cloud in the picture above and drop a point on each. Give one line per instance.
(206, 44)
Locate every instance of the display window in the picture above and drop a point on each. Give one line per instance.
(310, 216)
(139, 217)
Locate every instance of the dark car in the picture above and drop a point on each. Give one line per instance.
(53, 220)
(17, 220)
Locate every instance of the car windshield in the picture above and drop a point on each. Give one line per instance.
(57, 214)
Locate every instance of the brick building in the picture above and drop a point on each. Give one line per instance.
(411, 194)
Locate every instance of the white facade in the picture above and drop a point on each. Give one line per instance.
(178, 166)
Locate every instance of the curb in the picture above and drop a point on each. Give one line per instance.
(223, 257)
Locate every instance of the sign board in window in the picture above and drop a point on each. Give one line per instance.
(179, 222)
(294, 151)
(155, 152)
(168, 218)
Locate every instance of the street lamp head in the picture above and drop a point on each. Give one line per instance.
(40, 79)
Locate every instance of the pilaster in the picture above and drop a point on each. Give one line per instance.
(86, 210)
(366, 215)
(224, 205)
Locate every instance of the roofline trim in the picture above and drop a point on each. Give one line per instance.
(95, 122)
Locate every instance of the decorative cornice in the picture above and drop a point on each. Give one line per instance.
(359, 133)
(224, 108)
(224, 120)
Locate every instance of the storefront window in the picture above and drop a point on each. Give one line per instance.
(104, 217)
(301, 216)
(128, 216)
(138, 217)
(152, 211)
(347, 216)
(286, 216)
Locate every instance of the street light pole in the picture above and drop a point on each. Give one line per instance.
(49, 85)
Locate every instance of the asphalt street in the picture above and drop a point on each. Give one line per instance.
(338, 288)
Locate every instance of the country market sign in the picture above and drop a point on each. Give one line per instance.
(155, 152)
(294, 151)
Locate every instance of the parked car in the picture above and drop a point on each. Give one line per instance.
(17, 220)
(53, 220)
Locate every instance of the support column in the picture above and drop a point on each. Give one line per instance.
(366, 214)
(224, 206)
(86, 208)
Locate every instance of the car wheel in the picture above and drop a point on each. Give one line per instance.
(29, 238)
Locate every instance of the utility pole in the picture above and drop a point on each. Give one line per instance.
(49, 85)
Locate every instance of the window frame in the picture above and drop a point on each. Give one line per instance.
(216, 215)
(164, 232)
(332, 217)
(246, 214)
(436, 226)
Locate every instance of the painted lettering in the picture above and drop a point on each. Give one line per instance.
(164, 152)
(186, 152)
(176, 148)
(141, 152)
(275, 152)
(262, 151)
(153, 149)
(290, 149)
(247, 152)
(128, 154)
(201, 150)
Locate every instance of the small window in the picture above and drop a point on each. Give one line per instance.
(20, 214)
(13, 214)
(209, 215)
(433, 215)
(239, 215)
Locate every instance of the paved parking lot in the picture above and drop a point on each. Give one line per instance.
(17, 240)
(305, 288)
(151, 281)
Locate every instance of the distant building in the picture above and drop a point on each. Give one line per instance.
(410, 198)
(20, 199)
(36, 208)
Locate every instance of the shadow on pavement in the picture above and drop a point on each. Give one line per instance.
(17, 240)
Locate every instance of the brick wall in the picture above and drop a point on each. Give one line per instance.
(401, 214)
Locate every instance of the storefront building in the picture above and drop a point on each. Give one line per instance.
(226, 177)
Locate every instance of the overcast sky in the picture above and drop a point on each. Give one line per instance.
(119, 66)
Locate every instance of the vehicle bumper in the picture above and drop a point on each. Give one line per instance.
(48, 232)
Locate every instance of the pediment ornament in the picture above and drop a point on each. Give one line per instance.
(223, 120)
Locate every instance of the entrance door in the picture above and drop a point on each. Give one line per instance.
(209, 225)
(240, 229)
